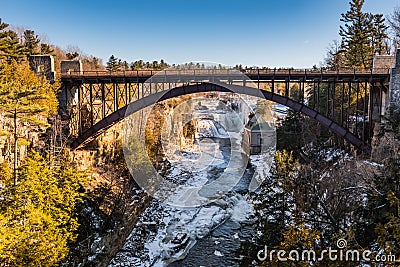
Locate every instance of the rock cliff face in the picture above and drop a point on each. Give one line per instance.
(113, 201)
(35, 139)
(385, 143)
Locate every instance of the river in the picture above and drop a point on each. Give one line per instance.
(210, 234)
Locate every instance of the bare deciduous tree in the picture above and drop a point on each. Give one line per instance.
(394, 21)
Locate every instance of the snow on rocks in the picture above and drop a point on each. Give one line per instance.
(373, 164)
(218, 253)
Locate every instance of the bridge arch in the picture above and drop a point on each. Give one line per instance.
(144, 102)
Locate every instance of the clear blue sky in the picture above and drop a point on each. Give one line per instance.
(274, 33)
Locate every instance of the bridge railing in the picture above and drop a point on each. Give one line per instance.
(319, 71)
(196, 72)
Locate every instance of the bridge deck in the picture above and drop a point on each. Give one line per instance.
(141, 76)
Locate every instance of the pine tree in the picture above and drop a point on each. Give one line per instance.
(289, 132)
(274, 203)
(31, 42)
(155, 65)
(10, 46)
(113, 64)
(96, 62)
(37, 216)
(3, 42)
(137, 65)
(125, 65)
(72, 55)
(363, 35)
(355, 35)
(45, 49)
(24, 97)
(379, 35)
(163, 64)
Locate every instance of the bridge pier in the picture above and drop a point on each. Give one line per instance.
(68, 97)
(380, 92)
(43, 65)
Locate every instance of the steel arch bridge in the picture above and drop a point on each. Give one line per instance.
(348, 102)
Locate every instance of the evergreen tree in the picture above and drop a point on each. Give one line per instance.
(363, 35)
(355, 35)
(3, 42)
(379, 35)
(133, 65)
(155, 65)
(31, 42)
(96, 62)
(72, 55)
(45, 49)
(289, 132)
(163, 64)
(119, 64)
(137, 65)
(10, 46)
(24, 97)
(125, 65)
(37, 216)
(274, 203)
(113, 64)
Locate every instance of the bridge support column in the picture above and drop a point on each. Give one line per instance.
(380, 89)
(43, 65)
(394, 87)
(68, 96)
